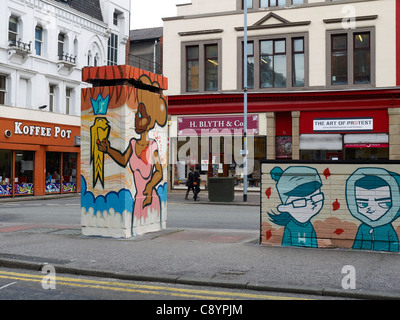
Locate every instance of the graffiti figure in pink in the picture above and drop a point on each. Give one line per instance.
(142, 153)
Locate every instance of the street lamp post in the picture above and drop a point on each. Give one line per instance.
(245, 104)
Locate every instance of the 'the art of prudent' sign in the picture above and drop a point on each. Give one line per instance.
(343, 124)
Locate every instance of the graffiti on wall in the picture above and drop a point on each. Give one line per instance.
(335, 206)
(124, 159)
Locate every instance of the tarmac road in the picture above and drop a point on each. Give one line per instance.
(212, 256)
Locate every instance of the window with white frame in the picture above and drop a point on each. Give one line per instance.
(68, 105)
(52, 97)
(38, 40)
(61, 42)
(13, 30)
(3, 89)
(112, 50)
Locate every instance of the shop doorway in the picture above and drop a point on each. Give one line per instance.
(24, 173)
(6, 176)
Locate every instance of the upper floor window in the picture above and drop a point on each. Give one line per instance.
(272, 3)
(211, 67)
(298, 60)
(192, 68)
(38, 40)
(257, 4)
(13, 30)
(68, 105)
(115, 18)
(273, 63)
(3, 89)
(351, 61)
(201, 66)
(61, 42)
(112, 50)
(276, 62)
(52, 97)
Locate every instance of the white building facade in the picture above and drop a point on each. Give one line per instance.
(43, 47)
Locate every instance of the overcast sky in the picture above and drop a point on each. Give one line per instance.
(148, 13)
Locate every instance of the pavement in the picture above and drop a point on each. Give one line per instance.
(211, 257)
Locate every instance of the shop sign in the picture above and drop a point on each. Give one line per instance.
(216, 125)
(367, 145)
(41, 131)
(343, 124)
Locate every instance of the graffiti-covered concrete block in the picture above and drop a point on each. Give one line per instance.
(340, 205)
(123, 152)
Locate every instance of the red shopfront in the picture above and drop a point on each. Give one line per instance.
(38, 158)
(344, 135)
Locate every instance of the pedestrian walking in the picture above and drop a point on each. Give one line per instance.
(189, 182)
(196, 184)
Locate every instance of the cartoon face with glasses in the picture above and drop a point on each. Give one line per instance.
(299, 189)
(373, 197)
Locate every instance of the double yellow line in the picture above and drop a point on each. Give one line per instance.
(139, 288)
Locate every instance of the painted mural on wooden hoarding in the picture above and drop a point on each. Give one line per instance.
(124, 156)
(331, 205)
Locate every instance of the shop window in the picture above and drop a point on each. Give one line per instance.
(24, 172)
(53, 167)
(5, 173)
(320, 155)
(367, 153)
(283, 147)
(217, 157)
(69, 172)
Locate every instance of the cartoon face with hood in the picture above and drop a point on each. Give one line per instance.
(299, 189)
(373, 197)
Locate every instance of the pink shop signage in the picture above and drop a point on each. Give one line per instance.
(216, 125)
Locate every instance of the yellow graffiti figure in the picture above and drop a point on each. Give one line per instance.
(98, 132)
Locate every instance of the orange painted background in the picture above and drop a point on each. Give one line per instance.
(37, 133)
